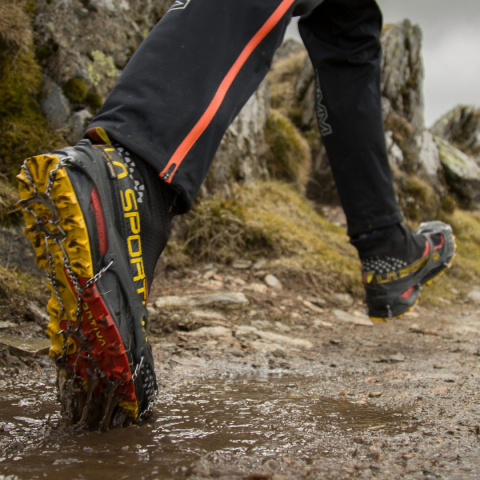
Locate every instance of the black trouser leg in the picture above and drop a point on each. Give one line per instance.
(343, 41)
(189, 79)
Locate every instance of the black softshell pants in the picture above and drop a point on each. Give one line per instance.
(197, 68)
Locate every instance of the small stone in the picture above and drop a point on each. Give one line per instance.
(356, 320)
(273, 281)
(312, 307)
(320, 323)
(256, 288)
(281, 327)
(225, 298)
(6, 324)
(259, 264)
(474, 296)
(207, 315)
(217, 331)
(242, 264)
(343, 299)
(319, 302)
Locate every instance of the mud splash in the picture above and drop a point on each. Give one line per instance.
(257, 418)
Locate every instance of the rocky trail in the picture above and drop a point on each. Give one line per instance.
(262, 378)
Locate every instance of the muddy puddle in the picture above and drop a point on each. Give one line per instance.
(257, 418)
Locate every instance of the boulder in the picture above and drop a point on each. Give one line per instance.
(402, 73)
(461, 127)
(461, 172)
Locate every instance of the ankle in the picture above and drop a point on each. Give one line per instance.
(373, 243)
(394, 242)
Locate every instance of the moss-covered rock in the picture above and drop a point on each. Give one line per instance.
(462, 173)
(75, 89)
(101, 66)
(23, 128)
(288, 155)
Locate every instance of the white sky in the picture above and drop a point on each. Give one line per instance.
(451, 49)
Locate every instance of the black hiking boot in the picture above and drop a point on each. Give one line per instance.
(98, 222)
(396, 263)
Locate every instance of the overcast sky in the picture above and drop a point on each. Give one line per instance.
(451, 49)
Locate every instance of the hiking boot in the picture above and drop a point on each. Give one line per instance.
(396, 263)
(98, 222)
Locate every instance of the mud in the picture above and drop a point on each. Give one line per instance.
(286, 386)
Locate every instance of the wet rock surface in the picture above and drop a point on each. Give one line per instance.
(288, 384)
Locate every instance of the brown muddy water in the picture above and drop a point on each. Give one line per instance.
(260, 418)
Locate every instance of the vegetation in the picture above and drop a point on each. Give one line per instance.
(22, 126)
(288, 156)
(269, 220)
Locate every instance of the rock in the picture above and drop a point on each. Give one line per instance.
(240, 157)
(289, 47)
(396, 358)
(38, 314)
(242, 264)
(286, 340)
(5, 325)
(259, 264)
(402, 72)
(461, 172)
(246, 333)
(19, 346)
(76, 125)
(281, 327)
(319, 302)
(16, 250)
(356, 320)
(461, 127)
(207, 315)
(224, 298)
(343, 299)
(312, 307)
(273, 282)
(320, 323)
(429, 162)
(256, 288)
(214, 332)
(474, 296)
(55, 105)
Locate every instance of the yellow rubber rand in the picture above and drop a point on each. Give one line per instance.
(76, 243)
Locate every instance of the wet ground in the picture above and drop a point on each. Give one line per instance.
(264, 383)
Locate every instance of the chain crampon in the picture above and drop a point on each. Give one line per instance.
(48, 228)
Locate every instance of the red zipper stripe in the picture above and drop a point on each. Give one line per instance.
(205, 120)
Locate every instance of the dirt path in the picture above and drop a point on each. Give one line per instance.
(263, 382)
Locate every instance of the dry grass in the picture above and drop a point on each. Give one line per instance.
(273, 221)
(15, 31)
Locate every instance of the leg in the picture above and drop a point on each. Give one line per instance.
(188, 80)
(343, 41)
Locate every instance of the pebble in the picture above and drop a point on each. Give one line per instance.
(343, 299)
(207, 315)
(217, 331)
(236, 298)
(273, 282)
(474, 296)
(312, 307)
(242, 264)
(319, 302)
(355, 319)
(256, 288)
